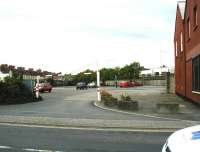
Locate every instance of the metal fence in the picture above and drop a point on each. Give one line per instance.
(30, 84)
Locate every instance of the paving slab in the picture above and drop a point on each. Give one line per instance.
(149, 97)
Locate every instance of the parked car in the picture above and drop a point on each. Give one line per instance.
(81, 86)
(184, 140)
(92, 85)
(45, 87)
(125, 84)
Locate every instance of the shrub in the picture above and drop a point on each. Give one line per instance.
(126, 103)
(13, 91)
(108, 99)
(125, 98)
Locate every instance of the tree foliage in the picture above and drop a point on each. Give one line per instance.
(128, 72)
(85, 76)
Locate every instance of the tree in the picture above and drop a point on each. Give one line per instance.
(85, 76)
(51, 81)
(134, 70)
(4, 68)
(128, 72)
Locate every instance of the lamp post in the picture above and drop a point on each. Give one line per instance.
(98, 84)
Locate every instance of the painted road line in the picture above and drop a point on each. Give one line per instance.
(39, 150)
(36, 150)
(5, 147)
(93, 129)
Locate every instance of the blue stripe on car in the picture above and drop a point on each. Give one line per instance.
(196, 135)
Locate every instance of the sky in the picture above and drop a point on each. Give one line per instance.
(70, 36)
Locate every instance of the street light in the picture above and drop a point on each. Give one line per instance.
(98, 84)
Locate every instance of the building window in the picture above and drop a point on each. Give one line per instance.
(196, 74)
(181, 42)
(195, 19)
(176, 48)
(188, 28)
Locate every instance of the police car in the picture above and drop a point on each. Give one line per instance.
(184, 140)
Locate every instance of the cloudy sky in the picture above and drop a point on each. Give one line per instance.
(73, 35)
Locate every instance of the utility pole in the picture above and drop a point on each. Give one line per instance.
(98, 86)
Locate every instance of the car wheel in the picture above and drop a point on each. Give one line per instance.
(49, 90)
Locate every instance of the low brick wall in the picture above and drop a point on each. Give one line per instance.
(144, 82)
(167, 107)
(154, 82)
(172, 84)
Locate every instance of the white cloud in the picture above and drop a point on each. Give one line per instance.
(68, 36)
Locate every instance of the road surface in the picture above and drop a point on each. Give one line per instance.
(37, 139)
(66, 102)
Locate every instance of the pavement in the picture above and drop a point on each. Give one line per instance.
(148, 99)
(65, 107)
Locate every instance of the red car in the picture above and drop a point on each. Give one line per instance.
(125, 84)
(45, 87)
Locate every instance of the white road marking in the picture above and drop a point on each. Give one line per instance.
(5, 147)
(39, 150)
(91, 128)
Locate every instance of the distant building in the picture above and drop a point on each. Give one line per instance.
(187, 49)
(157, 71)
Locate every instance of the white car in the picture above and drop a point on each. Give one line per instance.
(184, 140)
(91, 85)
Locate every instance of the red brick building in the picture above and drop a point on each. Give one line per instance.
(187, 49)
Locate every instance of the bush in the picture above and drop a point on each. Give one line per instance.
(125, 98)
(13, 91)
(108, 99)
(127, 103)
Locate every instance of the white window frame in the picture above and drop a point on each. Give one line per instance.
(189, 30)
(181, 42)
(176, 48)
